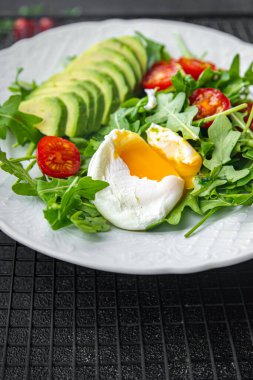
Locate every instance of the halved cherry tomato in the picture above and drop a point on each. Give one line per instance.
(194, 66)
(160, 74)
(57, 157)
(249, 107)
(209, 101)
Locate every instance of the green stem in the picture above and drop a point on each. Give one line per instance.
(227, 112)
(249, 120)
(182, 47)
(193, 229)
(30, 149)
(30, 166)
(20, 159)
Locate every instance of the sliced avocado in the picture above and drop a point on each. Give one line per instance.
(53, 112)
(77, 120)
(80, 114)
(77, 111)
(117, 75)
(137, 47)
(104, 54)
(105, 83)
(122, 48)
(85, 89)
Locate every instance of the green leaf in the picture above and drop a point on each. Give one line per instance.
(188, 201)
(184, 50)
(183, 122)
(90, 224)
(211, 204)
(234, 70)
(26, 189)
(118, 119)
(64, 197)
(21, 87)
(169, 110)
(16, 169)
(20, 124)
(155, 51)
(232, 175)
(224, 139)
(249, 74)
(205, 77)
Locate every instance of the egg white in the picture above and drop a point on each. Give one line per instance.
(130, 202)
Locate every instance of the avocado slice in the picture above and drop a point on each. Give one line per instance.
(77, 110)
(139, 50)
(80, 113)
(104, 54)
(88, 91)
(117, 75)
(53, 112)
(105, 83)
(77, 120)
(119, 46)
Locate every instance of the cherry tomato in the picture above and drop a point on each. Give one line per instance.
(194, 67)
(209, 101)
(45, 23)
(249, 107)
(159, 76)
(57, 157)
(24, 28)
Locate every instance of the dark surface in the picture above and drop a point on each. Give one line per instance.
(122, 8)
(60, 321)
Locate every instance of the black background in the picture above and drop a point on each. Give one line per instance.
(121, 8)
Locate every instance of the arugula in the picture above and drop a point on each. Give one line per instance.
(224, 139)
(189, 201)
(169, 110)
(67, 200)
(20, 124)
(155, 51)
(64, 198)
(20, 87)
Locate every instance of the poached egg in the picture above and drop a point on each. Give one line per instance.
(144, 184)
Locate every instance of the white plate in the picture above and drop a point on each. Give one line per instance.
(226, 239)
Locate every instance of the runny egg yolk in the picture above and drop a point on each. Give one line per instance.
(179, 153)
(141, 159)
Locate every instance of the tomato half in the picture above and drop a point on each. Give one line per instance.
(209, 101)
(248, 110)
(160, 74)
(194, 67)
(57, 157)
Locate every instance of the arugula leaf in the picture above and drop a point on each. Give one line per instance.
(64, 198)
(20, 124)
(184, 50)
(155, 51)
(189, 201)
(16, 169)
(23, 188)
(169, 110)
(232, 175)
(20, 87)
(234, 70)
(183, 122)
(249, 74)
(89, 220)
(224, 140)
(118, 119)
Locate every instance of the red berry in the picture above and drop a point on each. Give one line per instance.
(45, 23)
(23, 28)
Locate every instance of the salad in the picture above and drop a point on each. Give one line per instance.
(127, 135)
